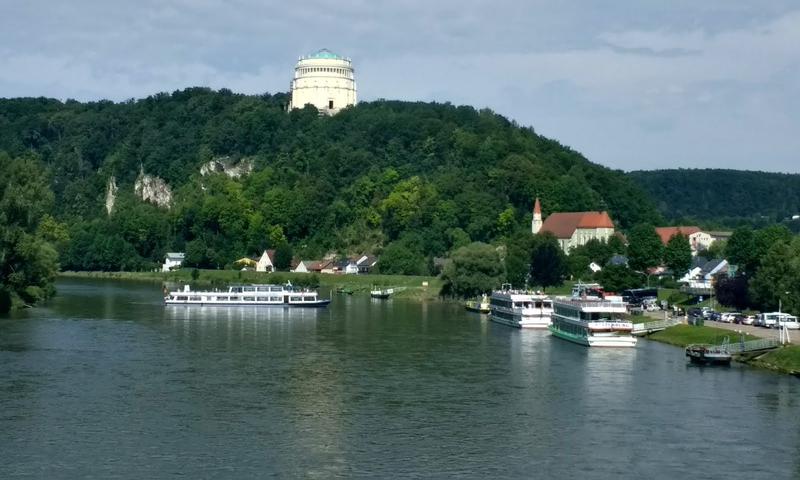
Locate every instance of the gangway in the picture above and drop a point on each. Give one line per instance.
(646, 328)
(751, 345)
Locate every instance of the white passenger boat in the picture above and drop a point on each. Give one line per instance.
(249, 295)
(594, 322)
(520, 309)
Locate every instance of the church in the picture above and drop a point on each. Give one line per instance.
(573, 229)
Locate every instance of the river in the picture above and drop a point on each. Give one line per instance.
(105, 382)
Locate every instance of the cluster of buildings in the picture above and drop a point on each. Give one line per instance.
(359, 264)
(574, 229)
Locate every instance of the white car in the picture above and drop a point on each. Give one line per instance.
(728, 317)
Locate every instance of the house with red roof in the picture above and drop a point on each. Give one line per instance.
(573, 229)
(698, 239)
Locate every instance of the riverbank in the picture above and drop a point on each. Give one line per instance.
(410, 287)
(683, 335)
(782, 360)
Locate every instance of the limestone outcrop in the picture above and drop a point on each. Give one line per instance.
(153, 189)
(227, 166)
(111, 194)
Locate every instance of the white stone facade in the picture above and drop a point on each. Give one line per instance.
(581, 236)
(700, 241)
(325, 80)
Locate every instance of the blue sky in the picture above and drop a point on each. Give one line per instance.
(633, 84)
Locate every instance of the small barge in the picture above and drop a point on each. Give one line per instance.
(703, 354)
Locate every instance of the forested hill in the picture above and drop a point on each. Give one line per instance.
(410, 179)
(718, 195)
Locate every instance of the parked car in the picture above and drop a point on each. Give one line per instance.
(715, 316)
(729, 317)
(748, 319)
(695, 312)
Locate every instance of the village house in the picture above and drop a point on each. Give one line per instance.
(266, 263)
(173, 261)
(573, 229)
(698, 239)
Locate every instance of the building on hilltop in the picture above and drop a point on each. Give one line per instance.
(325, 80)
(573, 229)
(698, 239)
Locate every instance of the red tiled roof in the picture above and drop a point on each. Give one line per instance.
(667, 232)
(537, 207)
(564, 224)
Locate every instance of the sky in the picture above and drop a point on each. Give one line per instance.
(632, 85)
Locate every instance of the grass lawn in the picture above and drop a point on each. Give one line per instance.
(408, 286)
(682, 335)
(786, 360)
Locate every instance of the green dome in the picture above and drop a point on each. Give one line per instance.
(325, 54)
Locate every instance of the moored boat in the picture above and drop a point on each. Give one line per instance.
(480, 306)
(593, 322)
(381, 293)
(256, 295)
(520, 309)
(704, 354)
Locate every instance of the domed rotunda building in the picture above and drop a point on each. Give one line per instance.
(325, 80)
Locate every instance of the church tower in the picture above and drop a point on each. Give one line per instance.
(536, 223)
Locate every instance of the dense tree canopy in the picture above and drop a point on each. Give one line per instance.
(645, 249)
(678, 254)
(723, 196)
(473, 270)
(28, 259)
(548, 262)
(356, 182)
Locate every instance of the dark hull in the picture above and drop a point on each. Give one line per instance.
(708, 358)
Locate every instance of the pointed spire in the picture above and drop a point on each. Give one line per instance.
(536, 221)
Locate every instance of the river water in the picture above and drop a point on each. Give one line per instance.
(106, 382)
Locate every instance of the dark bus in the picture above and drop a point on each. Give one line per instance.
(635, 296)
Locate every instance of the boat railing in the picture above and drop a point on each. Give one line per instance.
(587, 303)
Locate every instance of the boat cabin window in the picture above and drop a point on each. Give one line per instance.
(181, 298)
(194, 299)
(249, 289)
(275, 289)
(263, 299)
(296, 299)
(249, 299)
(263, 289)
(275, 299)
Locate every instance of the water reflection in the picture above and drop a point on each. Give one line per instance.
(120, 386)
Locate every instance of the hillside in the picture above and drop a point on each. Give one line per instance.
(415, 179)
(723, 196)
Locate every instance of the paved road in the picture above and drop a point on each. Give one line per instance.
(752, 330)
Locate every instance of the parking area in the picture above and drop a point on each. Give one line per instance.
(760, 332)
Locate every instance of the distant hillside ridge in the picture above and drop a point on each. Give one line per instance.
(722, 194)
(222, 175)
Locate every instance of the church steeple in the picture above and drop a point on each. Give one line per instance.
(536, 223)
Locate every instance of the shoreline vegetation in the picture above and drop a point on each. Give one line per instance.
(407, 286)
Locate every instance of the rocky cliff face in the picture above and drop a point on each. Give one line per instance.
(153, 189)
(227, 166)
(111, 194)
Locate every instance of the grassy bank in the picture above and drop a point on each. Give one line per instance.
(407, 286)
(784, 360)
(683, 335)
